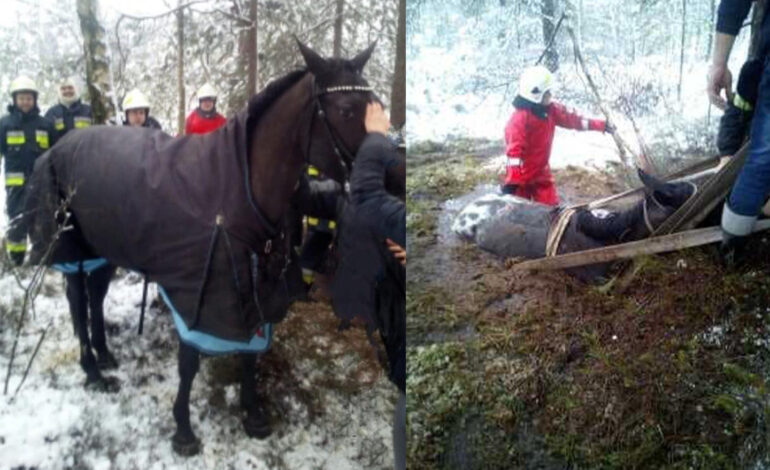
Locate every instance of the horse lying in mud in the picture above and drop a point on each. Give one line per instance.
(512, 227)
(203, 215)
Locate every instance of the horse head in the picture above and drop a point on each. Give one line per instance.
(340, 96)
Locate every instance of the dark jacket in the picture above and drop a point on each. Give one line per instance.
(735, 123)
(23, 138)
(64, 119)
(369, 281)
(730, 18)
(149, 123)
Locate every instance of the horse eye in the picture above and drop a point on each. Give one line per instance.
(346, 112)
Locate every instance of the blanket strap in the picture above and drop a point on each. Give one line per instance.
(144, 304)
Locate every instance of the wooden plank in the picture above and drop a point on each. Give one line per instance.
(648, 246)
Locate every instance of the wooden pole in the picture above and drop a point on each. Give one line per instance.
(649, 246)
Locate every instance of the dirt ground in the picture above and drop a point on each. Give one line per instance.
(664, 366)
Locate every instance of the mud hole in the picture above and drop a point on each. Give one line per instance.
(665, 366)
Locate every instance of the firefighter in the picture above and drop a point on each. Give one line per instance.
(752, 186)
(24, 136)
(70, 112)
(87, 283)
(205, 117)
(320, 232)
(529, 135)
(137, 109)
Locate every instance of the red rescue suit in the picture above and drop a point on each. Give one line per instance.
(528, 139)
(198, 123)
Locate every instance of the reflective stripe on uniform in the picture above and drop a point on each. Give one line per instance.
(321, 224)
(307, 276)
(15, 247)
(14, 179)
(42, 139)
(59, 124)
(15, 138)
(513, 161)
(736, 224)
(313, 171)
(82, 122)
(741, 104)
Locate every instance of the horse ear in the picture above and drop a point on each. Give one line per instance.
(362, 58)
(315, 63)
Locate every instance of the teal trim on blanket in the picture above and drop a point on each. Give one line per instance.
(211, 345)
(88, 266)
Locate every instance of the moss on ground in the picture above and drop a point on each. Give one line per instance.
(666, 366)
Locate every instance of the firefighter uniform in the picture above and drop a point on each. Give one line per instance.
(23, 138)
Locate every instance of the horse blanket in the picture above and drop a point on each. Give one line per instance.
(179, 210)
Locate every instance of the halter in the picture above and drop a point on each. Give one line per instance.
(340, 149)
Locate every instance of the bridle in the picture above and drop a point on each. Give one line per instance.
(340, 149)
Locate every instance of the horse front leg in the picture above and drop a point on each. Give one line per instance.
(184, 441)
(76, 297)
(97, 284)
(256, 424)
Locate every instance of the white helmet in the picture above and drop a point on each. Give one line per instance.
(135, 99)
(207, 91)
(534, 82)
(23, 83)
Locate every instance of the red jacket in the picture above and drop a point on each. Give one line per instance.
(528, 140)
(197, 124)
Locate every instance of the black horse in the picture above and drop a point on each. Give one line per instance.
(203, 215)
(512, 227)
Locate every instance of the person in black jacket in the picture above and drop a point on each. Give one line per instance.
(87, 283)
(320, 231)
(753, 184)
(24, 136)
(137, 109)
(70, 112)
(734, 123)
(371, 278)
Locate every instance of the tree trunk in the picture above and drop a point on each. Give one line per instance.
(398, 91)
(180, 68)
(756, 23)
(337, 51)
(548, 13)
(251, 50)
(681, 50)
(97, 63)
(711, 27)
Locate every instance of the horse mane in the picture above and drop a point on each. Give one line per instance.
(260, 102)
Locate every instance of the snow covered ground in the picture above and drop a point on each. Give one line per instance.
(441, 107)
(330, 405)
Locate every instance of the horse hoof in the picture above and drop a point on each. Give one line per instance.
(103, 384)
(106, 361)
(185, 446)
(257, 426)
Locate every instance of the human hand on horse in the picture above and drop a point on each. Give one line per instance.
(398, 251)
(376, 120)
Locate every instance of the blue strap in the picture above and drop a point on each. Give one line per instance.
(74, 267)
(212, 345)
